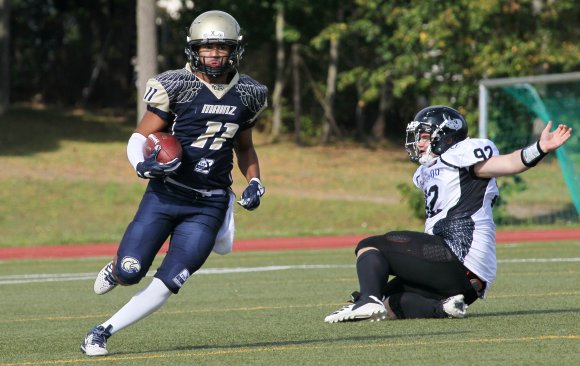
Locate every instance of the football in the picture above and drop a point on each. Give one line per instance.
(170, 146)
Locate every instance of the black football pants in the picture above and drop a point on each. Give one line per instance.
(425, 272)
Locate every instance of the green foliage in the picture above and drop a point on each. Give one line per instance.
(508, 186)
(511, 123)
(414, 199)
(310, 129)
(57, 44)
(428, 51)
(440, 50)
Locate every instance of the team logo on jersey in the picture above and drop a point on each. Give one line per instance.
(130, 265)
(180, 279)
(203, 166)
(219, 109)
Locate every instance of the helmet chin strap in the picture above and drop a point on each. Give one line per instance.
(427, 159)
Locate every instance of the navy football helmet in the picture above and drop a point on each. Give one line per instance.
(445, 125)
(214, 27)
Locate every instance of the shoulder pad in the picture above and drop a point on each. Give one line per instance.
(469, 152)
(181, 85)
(252, 94)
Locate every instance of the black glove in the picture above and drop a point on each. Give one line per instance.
(251, 196)
(151, 168)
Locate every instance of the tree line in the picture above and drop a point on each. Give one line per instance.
(336, 69)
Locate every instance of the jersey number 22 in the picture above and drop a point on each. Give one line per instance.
(213, 132)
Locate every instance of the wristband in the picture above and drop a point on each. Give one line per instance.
(532, 154)
(256, 180)
(261, 188)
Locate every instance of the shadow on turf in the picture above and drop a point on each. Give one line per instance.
(33, 131)
(291, 343)
(525, 312)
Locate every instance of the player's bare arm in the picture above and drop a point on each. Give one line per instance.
(513, 163)
(250, 168)
(247, 156)
(151, 123)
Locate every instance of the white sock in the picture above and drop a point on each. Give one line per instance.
(144, 303)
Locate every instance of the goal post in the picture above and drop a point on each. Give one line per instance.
(486, 84)
(512, 112)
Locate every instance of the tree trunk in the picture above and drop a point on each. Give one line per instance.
(329, 125)
(328, 115)
(361, 104)
(378, 129)
(360, 112)
(330, 91)
(146, 50)
(4, 55)
(88, 90)
(279, 82)
(296, 93)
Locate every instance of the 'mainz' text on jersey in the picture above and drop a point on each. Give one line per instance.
(219, 109)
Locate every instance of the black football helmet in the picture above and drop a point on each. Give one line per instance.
(214, 27)
(446, 126)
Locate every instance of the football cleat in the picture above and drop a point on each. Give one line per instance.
(455, 306)
(95, 343)
(370, 308)
(105, 281)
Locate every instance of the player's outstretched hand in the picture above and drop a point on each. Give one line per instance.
(251, 196)
(151, 168)
(550, 141)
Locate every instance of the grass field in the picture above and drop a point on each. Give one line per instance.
(267, 308)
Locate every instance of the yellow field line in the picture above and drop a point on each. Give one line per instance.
(110, 359)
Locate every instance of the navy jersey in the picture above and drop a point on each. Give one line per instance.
(205, 118)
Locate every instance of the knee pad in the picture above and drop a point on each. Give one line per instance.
(129, 271)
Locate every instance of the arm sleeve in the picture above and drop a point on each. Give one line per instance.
(135, 149)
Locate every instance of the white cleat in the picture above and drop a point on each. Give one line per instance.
(455, 306)
(95, 343)
(105, 281)
(372, 309)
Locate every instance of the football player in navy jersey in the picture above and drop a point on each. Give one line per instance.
(211, 109)
(437, 273)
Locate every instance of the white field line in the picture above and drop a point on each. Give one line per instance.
(62, 277)
(539, 260)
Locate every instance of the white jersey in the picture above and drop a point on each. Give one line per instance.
(459, 205)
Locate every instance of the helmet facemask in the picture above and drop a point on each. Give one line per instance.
(197, 62)
(414, 131)
(214, 27)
